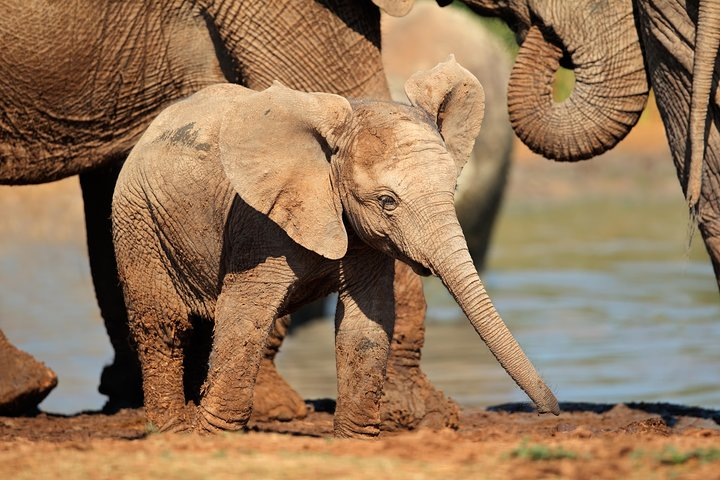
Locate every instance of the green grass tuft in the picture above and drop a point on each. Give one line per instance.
(151, 428)
(670, 455)
(538, 452)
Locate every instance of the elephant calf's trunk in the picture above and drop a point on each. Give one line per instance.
(461, 279)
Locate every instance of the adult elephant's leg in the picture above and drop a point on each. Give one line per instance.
(409, 399)
(274, 398)
(709, 224)
(121, 381)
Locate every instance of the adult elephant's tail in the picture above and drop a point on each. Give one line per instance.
(707, 42)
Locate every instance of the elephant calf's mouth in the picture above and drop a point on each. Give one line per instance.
(419, 269)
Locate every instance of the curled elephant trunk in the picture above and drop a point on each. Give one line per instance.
(455, 268)
(707, 42)
(610, 83)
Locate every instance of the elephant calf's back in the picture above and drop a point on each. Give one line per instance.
(171, 204)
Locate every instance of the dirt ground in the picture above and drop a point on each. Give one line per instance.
(586, 441)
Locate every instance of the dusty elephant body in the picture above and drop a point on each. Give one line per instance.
(238, 206)
(682, 72)
(80, 82)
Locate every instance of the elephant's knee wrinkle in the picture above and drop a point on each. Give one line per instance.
(347, 428)
(210, 420)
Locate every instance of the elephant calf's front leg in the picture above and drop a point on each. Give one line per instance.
(364, 323)
(274, 398)
(243, 316)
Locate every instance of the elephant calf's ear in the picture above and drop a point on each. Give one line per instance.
(455, 99)
(274, 148)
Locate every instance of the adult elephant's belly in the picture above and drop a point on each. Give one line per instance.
(44, 154)
(43, 140)
(75, 95)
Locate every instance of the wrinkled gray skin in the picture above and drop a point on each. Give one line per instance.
(406, 48)
(597, 39)
(82, 79)
(237, 206)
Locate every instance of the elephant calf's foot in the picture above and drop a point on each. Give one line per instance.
(172, 425)
(410, 401)
(207, 421)
(344, 428)
(173, 419)
(274, 399)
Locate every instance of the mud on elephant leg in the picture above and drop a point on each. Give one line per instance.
(409, 399)
(121, 381)
(161, 349)
(244, 315)
(274, 398)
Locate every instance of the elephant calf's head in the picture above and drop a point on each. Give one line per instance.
(305, 158)
(397, 165)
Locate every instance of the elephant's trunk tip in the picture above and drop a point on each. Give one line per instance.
(553, 408)
(547, 403)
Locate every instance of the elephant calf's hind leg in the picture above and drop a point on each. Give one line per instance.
(161, 356)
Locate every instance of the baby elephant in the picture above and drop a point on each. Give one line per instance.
(238, 206)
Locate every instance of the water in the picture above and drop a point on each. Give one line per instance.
(603, 295)
(48, 309)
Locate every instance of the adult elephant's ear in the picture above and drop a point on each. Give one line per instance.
(396, 8)
(275, 147)
(455, 99)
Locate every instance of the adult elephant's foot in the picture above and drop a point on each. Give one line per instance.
(409, 399)
(274, 399)
(122, 383)
(24, 381)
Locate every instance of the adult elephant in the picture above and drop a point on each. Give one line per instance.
(80, 80)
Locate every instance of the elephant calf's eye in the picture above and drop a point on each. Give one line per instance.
(387, 203)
